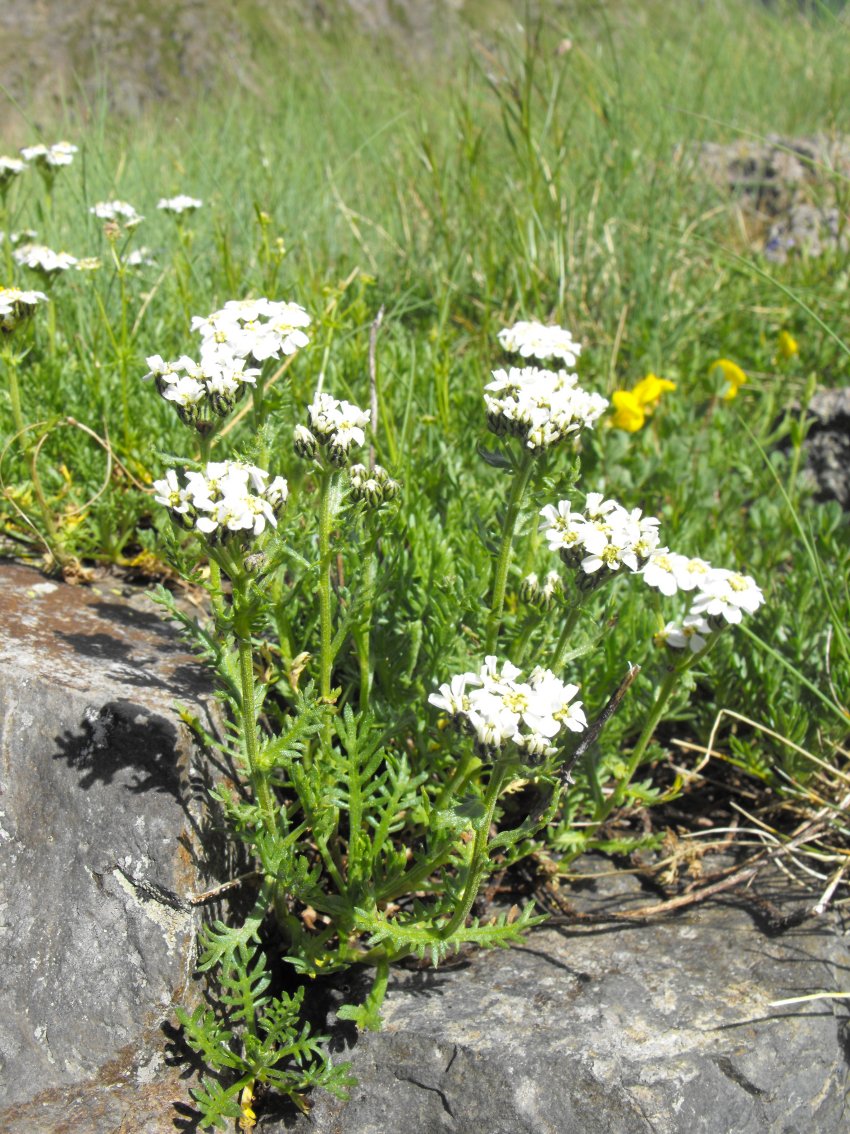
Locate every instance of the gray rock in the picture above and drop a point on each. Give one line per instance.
(663, 1028)
(828, 445)
(98, 834)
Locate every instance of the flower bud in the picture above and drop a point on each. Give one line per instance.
(305, 444)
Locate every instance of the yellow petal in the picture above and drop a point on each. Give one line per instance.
(629, 413)
(649, 390)
(732, 373)
(788, 345)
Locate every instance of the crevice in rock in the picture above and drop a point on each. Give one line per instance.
(725, 1064)
(425, 1087)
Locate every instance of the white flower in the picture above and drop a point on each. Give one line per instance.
(539, 406)
(10, 168)
(693, 633)
(726, 594)
(498, 707)
(660, 571)
(535, 340)
(49, 157)
(40, 258)
(140, 258)
(16, 306)
(227, 497)
(117, 211)
(179, 204)
(337, 425)
(605, 535)
(253, 328)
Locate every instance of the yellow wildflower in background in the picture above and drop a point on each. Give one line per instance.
(649, 390)
(630, 414)
(633, 406)
(788, 345)
(733, 375)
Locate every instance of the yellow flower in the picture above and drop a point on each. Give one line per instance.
(630, 414)
(649, 390)
(733, 375)
(788, 345)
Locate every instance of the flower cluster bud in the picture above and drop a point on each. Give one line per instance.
(373, 487)
(541, 596)
(202, 390)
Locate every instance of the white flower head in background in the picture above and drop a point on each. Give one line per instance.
(49, 158)
(121, 212)
(597, 542)
(535, 340)
(39, 258)
(10, 169)
(253, 328)
(179, 204)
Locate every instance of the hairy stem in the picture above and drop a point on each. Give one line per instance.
(522, 475)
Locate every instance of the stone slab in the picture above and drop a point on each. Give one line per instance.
(98, 827)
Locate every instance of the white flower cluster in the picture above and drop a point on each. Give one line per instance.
(191, 386)
(17, 306)
(120, 212)
(335, 425)
(535, 340)
(179, 204)
(605, 535)
(721, 596)
(252, 328)
(540, 406)
(497, 708)
(242, 331)
(40, 258)
(49, 158)
(10, 168)
(228, 497)
(140, 258)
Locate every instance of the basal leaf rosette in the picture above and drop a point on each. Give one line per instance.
(506, 714)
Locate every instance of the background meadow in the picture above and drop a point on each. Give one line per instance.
(541, 167)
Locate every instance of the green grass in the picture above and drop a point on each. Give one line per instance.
(508, 180)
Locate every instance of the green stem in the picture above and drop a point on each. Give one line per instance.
(634, 761)
(326, 624)
(522, 476)
(259, 780)
(479, 858)
(11, 360)
(564, 639)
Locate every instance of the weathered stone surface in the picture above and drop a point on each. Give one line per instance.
(626, 1029)
(787, 181)
(97, 829)
(828, 445)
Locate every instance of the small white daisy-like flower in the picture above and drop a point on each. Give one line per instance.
(692, 632)
(727, 595)
(229, 499)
